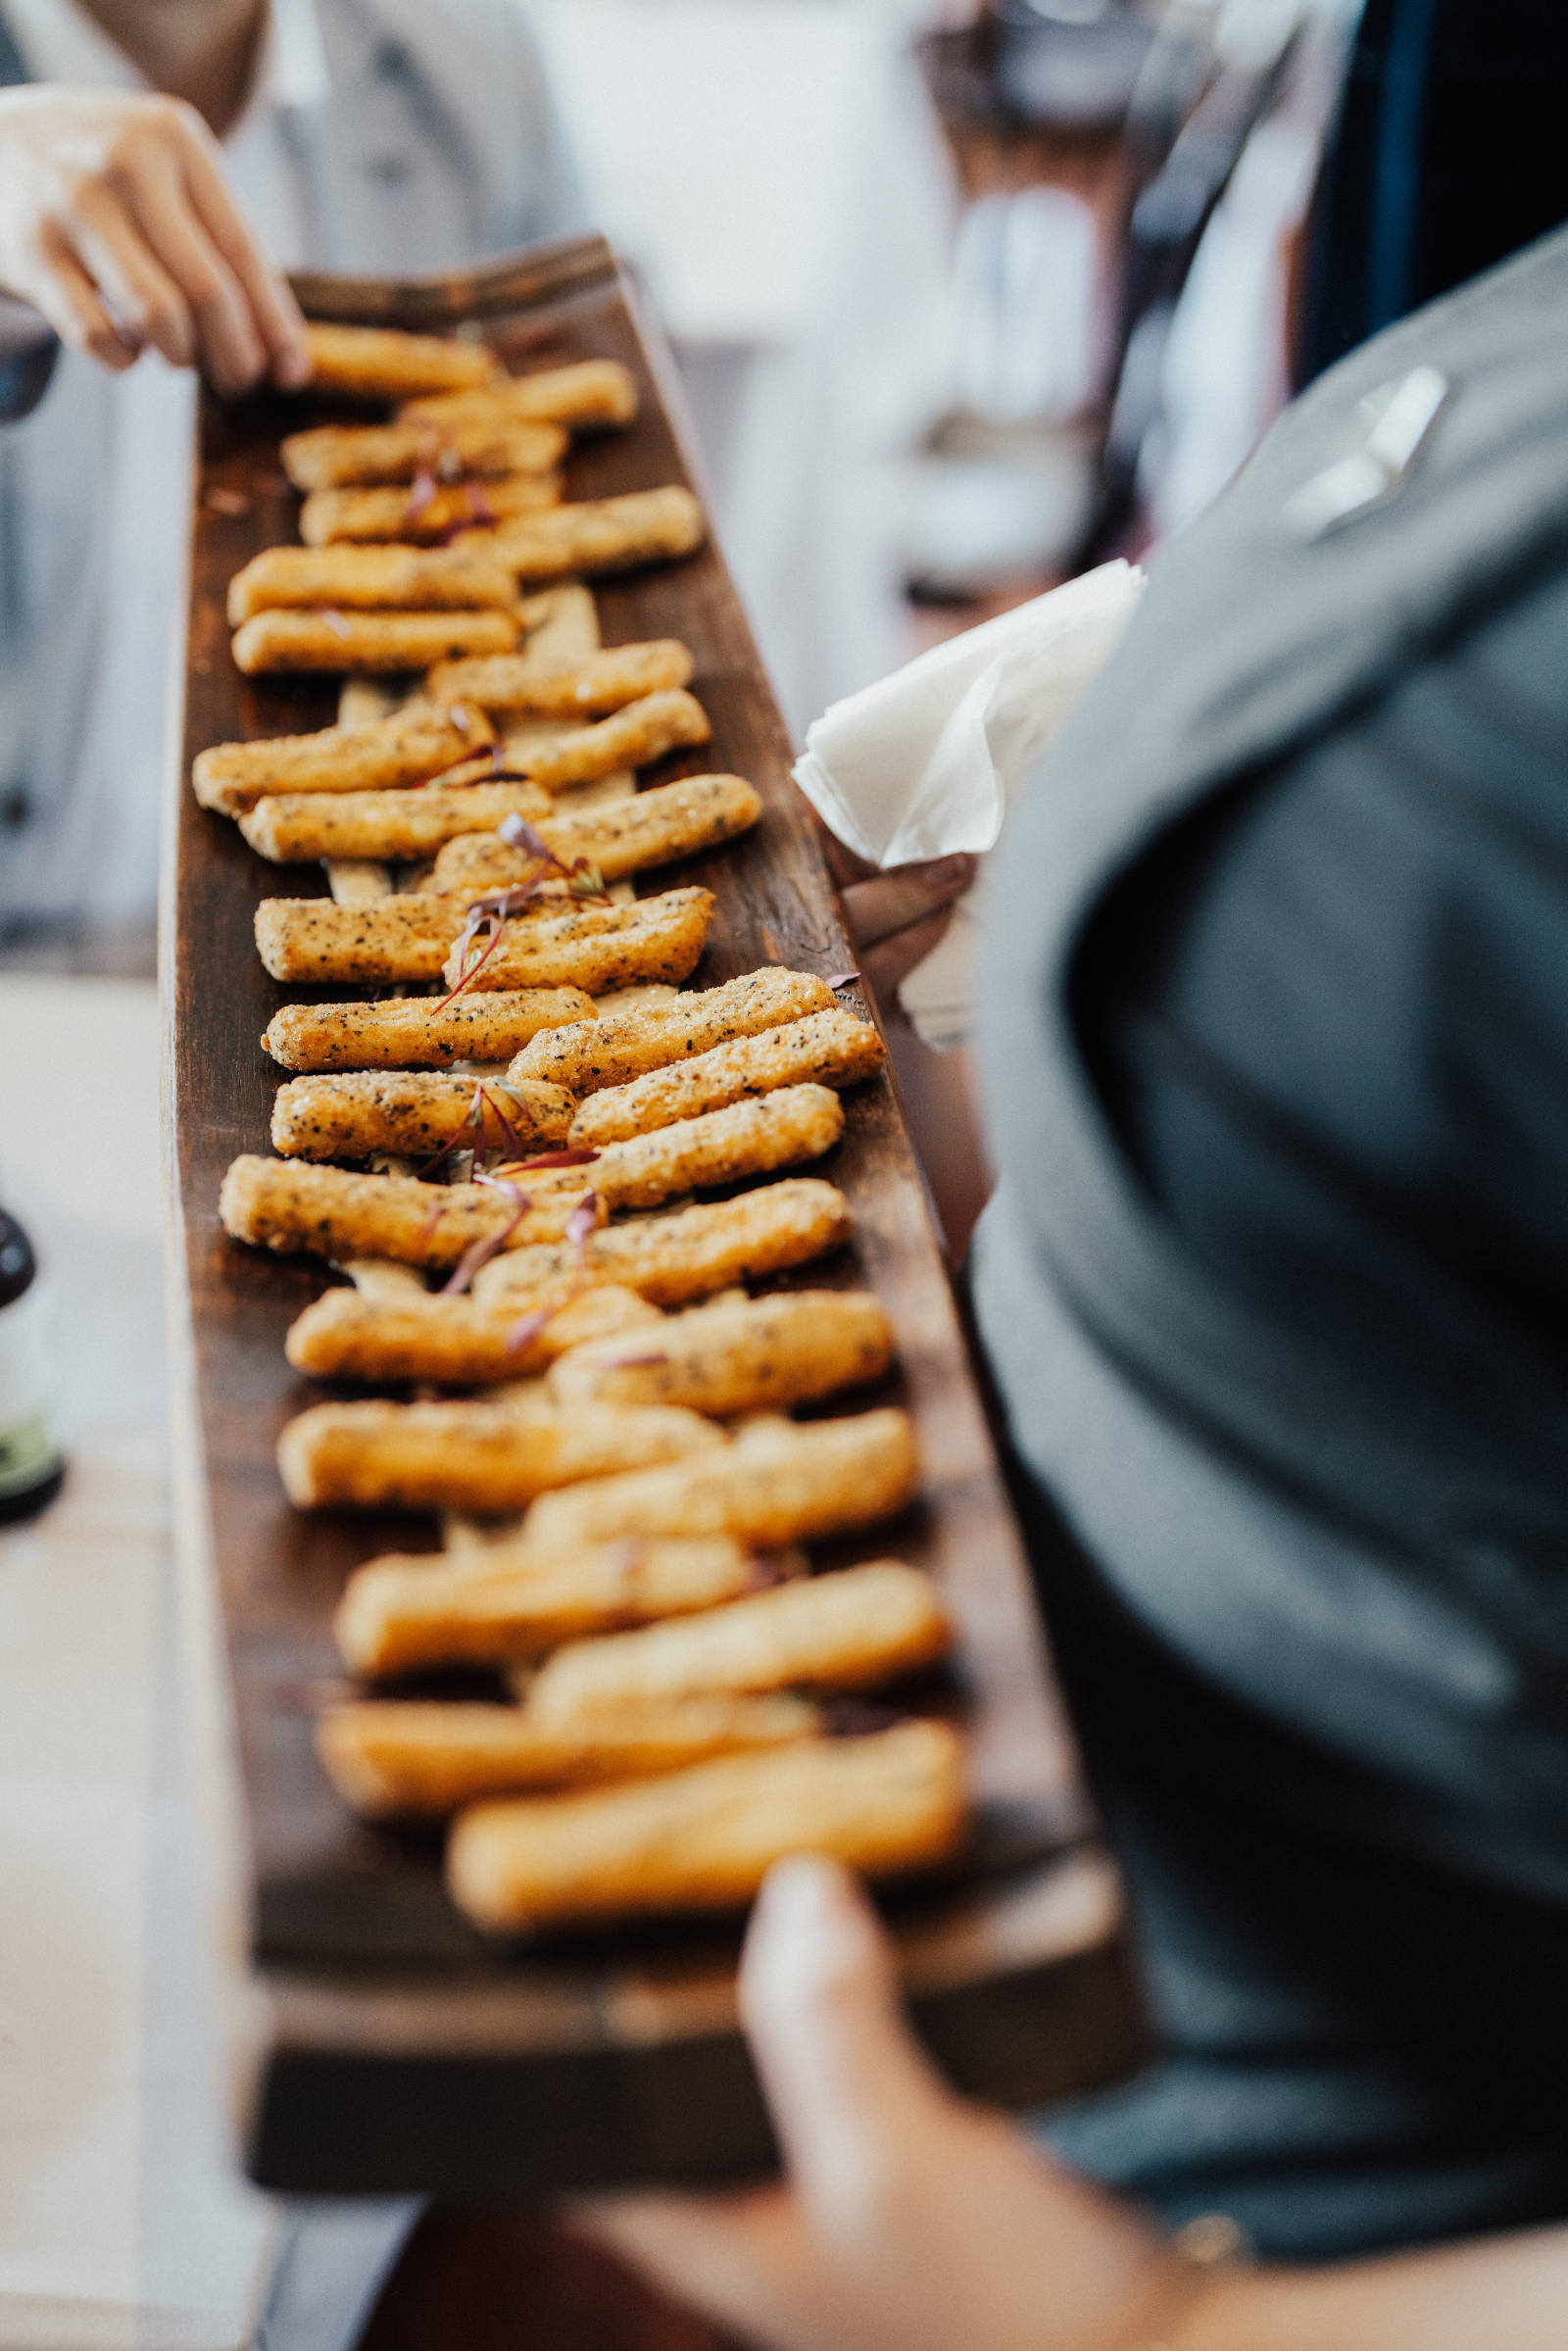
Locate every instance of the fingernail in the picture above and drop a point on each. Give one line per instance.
(802, 1900)
(293, 370)
(797, 1928)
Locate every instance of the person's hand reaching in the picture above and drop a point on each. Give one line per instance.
(117, 224)
(908, 2218)
(895, 916)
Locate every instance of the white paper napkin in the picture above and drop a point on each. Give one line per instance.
(922, 764)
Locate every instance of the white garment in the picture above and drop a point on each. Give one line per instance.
(380, 134)
(924, 764)
(798, 256)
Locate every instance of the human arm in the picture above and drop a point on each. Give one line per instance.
(116, 224)
(910, 2217)
(895, 917)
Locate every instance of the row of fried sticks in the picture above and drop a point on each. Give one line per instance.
(673, 1667)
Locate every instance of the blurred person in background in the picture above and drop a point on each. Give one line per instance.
(161, 163)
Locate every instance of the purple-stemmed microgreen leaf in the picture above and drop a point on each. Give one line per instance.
(482, 1251)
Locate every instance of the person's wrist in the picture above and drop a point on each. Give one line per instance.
(1197, 2273)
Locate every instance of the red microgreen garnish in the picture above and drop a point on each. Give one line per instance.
(858, 1718)
(469, 937)
(583, 1220)
(480, 506)
(518, 833)
(473, 1120)
(586, 881)
(571, 1158)
(843, 979)
(481, 1253)
(510, 1136)
(504, 903)
(768, 1571)
(420, 494)
(334, 621)
(637, 1362)
(524, 1332)
(469, 1136)
(582, 878)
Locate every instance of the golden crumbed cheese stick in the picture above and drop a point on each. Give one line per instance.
(368, 579)
(597, 947)
(674, 1260)
(846, 1631)
(342, 456)
(823, 1478)
(506, 1604)
(419, 1032)
(588, 392)
(338, 642)
(613, 1051)
(380, 363)
(351, 1113)
(704, 1839)
(583, 689)
(414, 1758)
(292, 1204)
(600, 534)
(414, 742)
(760, 1354)
(382, 517)
(452, 1341)
(825, 1049)
(749, 1138)
(406, 937)
(622, 837)
(294, 828)
(632, 737)
(483, 1458)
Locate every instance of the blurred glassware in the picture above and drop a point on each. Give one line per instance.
(33, 1467)
(1024, 282)
(1003, 484)
(1068, 60)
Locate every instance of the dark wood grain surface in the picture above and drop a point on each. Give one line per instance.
(391, 2048)
(509, 2281)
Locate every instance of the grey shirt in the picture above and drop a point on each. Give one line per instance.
(1273, 1287)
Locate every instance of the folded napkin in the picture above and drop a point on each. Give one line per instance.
(922, 764)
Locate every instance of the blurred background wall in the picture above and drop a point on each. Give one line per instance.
(935, 358)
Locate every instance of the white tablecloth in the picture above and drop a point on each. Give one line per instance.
(124, 2224)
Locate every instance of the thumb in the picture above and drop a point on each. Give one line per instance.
(844, 2081)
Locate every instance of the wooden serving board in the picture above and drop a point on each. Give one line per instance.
(387, 2047)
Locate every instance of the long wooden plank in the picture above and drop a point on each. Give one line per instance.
(386, 2028)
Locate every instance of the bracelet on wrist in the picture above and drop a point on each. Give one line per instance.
(1205, 2250)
